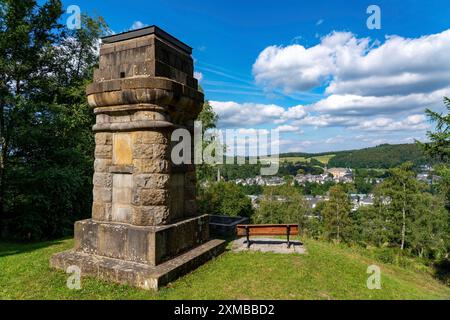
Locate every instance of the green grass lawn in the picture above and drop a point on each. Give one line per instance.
(326, 272)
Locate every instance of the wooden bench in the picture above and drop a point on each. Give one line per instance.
(249, 230)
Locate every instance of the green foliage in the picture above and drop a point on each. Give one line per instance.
(208, 118)
(439, 145)
(402, 190)
(316, 189)
(224, 198)
(439, 148)
(46, 139)
(369, 223)
(404, 215)
(383, 156)
(299, 167)
(282, 204)
(251, 189)
(239, 171)
(337, 222)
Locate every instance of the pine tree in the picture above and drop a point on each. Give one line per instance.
(336, 214)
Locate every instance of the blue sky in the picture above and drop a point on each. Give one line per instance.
(309, 68)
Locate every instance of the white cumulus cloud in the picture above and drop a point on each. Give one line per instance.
(233, 114)
(137, 25)
(346, 64)
(198, 76)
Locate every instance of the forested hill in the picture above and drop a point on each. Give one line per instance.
(382, 156)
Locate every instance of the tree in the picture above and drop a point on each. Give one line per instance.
(208, 119)
(402, 189)
(428, 232)
(336, 214)
(224, 198)
(439, 145)
(46, 139)
(26, 60)
(404, 214)
(362, 181)
(283, 204)
(372, 222)
(439, 149)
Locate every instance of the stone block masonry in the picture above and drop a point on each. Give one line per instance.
(144, 213)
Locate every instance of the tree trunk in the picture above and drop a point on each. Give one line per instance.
(337, 220)
(403, 217)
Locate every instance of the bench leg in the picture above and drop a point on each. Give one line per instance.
(288, 242)
(248, 239)
(288, 233)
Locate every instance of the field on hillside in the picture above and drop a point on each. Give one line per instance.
(324, 159)
(327, 271)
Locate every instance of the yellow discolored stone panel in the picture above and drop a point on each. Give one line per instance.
(122, 151)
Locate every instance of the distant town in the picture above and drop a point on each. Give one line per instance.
(334, 175)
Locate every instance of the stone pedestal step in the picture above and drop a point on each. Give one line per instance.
(138, 274)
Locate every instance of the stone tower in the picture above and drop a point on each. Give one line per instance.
(145, 230)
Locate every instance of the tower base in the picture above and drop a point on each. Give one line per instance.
(138, 274)
(144, 257)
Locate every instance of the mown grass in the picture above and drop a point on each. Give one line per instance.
(324, 159)
(325, 272)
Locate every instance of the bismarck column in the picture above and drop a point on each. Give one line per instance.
(145, 230)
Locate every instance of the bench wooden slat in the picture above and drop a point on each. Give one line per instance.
(267, 230)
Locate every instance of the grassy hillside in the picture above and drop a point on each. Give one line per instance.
(322, 158)
(326, 272)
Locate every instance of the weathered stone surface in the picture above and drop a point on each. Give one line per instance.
(190, 192)
(157, 166)
(102, 165)
(150, 137)
(150, 115)
(103, 138)
(137, 274)
(103, 151)
(101, 211)
(155, 181)
(156, 243)
(144, 212)
(122, 149)
(190, 207)
(145, 90)
(151, 151)
(145, 216)
(122, 196)
(102, 180)
(101, 194)
(150, 197)
(121, 169)
(151, 215)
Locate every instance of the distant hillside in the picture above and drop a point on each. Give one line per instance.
(382, 156)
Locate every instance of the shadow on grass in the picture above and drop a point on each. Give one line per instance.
(442, 271)
(11, 248)
(275, 241)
